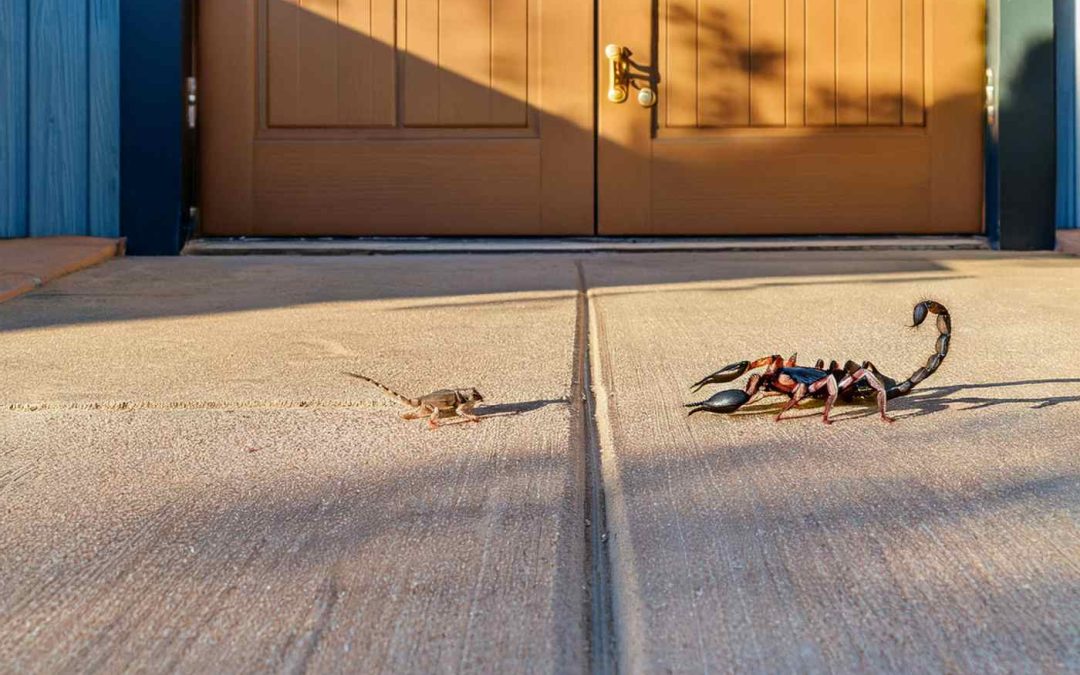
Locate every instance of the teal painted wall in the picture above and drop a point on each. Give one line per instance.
(1022, 159)
(1068, 187)
(59, 117)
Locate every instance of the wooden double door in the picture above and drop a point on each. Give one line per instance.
(492, 117)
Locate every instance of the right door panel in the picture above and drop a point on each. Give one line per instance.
(796, 117)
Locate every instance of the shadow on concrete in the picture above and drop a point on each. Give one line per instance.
(150, 288)
(919, 402)
(521, 408)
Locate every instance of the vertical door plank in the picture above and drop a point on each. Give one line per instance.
(13, 106)
(228, 54)
(724, 63)
(384, 62)
(680, 77)
(509, 62)
(420, 69)
(283, 62)
(59, 129)
(464, 62)
(795, 68)
(851, 91)
(104, 160)
(318, 62)
(914, 95)
(366, 90)
(885, 59)
(356, 51)
(565, 69)
(767, 63)
(820, 62)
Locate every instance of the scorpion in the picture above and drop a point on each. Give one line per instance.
(850, 382)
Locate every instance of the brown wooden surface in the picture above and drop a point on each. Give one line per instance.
(414, 117)
(462, 117)
(823, 116)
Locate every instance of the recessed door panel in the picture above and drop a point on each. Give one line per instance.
(795, 117)
(397, 117)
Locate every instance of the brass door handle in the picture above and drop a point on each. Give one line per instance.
(620, 78)
(618, 74)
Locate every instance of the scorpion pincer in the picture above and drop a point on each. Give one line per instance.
(852, 381)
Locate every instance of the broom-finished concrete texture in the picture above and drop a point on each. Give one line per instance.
(946, 542)
(187, 482)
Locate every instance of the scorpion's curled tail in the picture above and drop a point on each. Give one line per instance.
(405, 400)
(944, 326)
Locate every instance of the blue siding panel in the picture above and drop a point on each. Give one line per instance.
(104, 162)
(59, 128)
(13, 116)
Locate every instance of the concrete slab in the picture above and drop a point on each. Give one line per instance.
(189, 484)
(257, 331)
(947, 541)
(26, 264)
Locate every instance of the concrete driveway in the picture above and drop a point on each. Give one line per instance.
(188, 483)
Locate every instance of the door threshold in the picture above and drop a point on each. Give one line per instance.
(414, 245)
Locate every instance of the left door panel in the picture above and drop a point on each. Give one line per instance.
(396, 117)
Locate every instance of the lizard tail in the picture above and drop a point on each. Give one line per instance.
(411, 402)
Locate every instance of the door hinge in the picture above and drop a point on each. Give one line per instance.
(991, 98)
(192, 87)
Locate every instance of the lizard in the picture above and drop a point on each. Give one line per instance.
(459, 401)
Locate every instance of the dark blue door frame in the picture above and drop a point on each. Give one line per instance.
(152, 48)
(156, 163)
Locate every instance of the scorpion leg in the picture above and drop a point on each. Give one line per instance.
(829, 383)
(796, 397)
(753, 387)
(875, 383)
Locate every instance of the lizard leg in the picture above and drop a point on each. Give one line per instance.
(433, 420)
(413, 414)
(466, 410)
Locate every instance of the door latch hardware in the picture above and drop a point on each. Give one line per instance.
(192, 93)
(621, 78)
(618, 75)
(991, 98)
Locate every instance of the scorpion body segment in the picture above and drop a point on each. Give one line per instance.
(848, 382)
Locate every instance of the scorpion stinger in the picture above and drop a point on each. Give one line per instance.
(849, 382)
